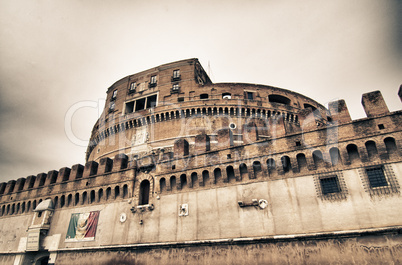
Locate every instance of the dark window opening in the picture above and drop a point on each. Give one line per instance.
(306, 106)
(228, 156)
(162, 184)
(335, 156)
(371, 149)
(180, 99)
(129, 107)
(330, 185)
(279, 99)
(285, 163)
(226, 95)
(381, 126)
(298, 143)
(390, 145)
(217, 174)
(230, 174)
(376, 177)
(250, 95)
(203, 96)
(183, 181)
(144, 192)
(116, 192)
(151, 102)
(194, 179)
(140, 105)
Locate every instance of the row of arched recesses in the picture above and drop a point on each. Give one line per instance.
(86, 197)
(186, 113)
(272, 166)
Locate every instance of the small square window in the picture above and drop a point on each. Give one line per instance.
(381, 126)
(173, 166)
(376, 177)
(175, 87)
(180, 99)
(329, 185)
(298, 143)
(229, 156)
(250, 95)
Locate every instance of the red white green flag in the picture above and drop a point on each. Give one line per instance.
(82, 226)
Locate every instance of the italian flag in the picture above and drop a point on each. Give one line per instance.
(82, 226)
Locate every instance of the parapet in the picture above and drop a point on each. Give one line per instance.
(374, 104)
(339, 111)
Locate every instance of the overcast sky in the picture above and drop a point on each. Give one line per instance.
(57, 55)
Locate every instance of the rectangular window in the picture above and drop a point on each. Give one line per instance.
(176, 73)
(250, 95)
(151, 102)
(114, 95)
(112, 105)
(132, 87)
(330, 185)
(130, 107)
(140, 104)
(376, 177)
(180, 99)
(175, 87)
(153, 79)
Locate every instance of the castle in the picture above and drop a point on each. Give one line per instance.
(181, 170)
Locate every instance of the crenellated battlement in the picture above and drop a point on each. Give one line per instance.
(251, 153)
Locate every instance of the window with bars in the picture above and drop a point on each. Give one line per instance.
(376, 177)
(330, 185)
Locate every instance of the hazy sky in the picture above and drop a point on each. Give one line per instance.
(56, 55)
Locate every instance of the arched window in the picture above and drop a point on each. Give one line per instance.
(230, 174)
(33, 205)
(279, 99)
(243, 171)
(335, 156)
(271, 165)
(217, 175)
(390, 145)
(125, 191)
(69, 199)
(371, 148)
(100, 195)
(162, 184)
(17, 209)
(62, 201)
(28, 206)
(144, 192)
(205, 177)
(173, 182)
(318, 159)
(56, 201)
(285, 160)
(84, 197)
(301, 161)
(12, 209)
(353, 153)
(108, 193)
(116, 192)
(226, 96)
(256, 168)
(194, 179)
(92, 197)
(76, 199)
(23, 207)
(183, 181)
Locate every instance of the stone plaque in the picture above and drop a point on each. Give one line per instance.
(33, 240)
